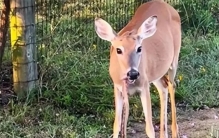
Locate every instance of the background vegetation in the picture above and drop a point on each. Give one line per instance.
(75, 96)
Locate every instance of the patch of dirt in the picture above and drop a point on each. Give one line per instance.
(192, 124)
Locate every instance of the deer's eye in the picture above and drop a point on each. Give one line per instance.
(139, 49)
(119, 51)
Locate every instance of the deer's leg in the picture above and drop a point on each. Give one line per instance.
(171, 87)
(126, 102)
(176, 30)
(118, 112)
(146, 104)
(163, 92)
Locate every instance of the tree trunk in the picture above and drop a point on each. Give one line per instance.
(4, 21)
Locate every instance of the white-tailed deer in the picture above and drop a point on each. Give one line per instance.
(143, 52)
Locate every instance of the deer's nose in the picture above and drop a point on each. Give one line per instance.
(133, 74)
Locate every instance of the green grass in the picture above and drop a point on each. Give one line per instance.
(41, 120)
(75, 96)
(199, 66)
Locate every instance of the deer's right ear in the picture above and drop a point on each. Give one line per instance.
(104, 30)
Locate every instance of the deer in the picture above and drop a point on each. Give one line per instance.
(146, 51)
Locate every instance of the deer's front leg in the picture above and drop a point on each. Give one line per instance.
(163, 92)
(146, 104)
(126, 112)
(118, 112)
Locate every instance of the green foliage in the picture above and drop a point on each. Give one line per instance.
(199, 68)
(22, 120)
(76, 80)
(199, 17)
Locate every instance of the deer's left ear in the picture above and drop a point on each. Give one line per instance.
(148, 27)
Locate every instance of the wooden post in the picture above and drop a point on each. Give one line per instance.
(4, 18)
(23, 46)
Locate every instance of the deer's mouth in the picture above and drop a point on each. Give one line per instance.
(130, 81)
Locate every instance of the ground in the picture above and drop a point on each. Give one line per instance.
(192, 124)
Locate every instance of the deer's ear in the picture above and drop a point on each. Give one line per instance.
(104, 30)
(148, 27)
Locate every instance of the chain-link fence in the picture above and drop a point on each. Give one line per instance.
(72, 20)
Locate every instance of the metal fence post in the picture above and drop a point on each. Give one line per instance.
(23, 46)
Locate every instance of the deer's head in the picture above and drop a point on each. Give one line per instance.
(128, 46)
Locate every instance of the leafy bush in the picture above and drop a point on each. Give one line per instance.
(199, 17)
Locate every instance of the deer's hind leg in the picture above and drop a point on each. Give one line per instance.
(171, 76)
(172, 87)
